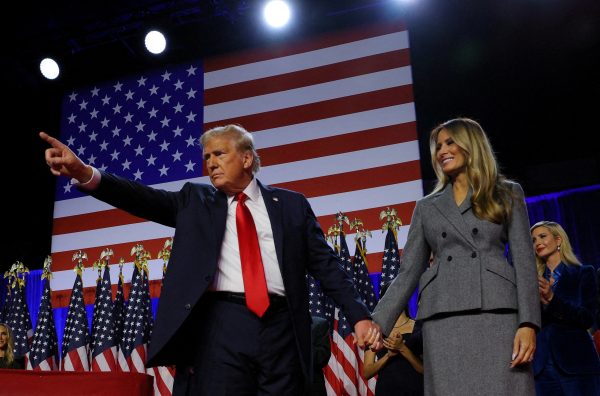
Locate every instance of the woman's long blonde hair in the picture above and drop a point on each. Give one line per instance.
(567, 255)
(492, 197)
(10, 345)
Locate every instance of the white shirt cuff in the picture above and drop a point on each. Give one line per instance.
(91, 184)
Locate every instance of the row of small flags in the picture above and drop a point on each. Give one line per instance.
(121, 329)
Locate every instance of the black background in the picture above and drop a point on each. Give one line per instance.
(528, 70)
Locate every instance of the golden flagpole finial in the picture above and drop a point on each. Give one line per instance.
(47, 271)
(392, 222)
(141, 257)
(79, 256)
(165, 253)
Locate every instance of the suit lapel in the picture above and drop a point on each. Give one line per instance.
(217, 203)
(447, 206)
(274, 209)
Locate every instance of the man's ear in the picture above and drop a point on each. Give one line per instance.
(248, 160)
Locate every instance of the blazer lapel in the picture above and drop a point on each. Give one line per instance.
(217, 203)
(274, 209)
(453, 213)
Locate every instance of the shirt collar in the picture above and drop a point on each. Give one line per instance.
(252, 191)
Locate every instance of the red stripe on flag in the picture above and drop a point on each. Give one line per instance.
(304, 78)
(357, 180)
(332, 145)
(320, 110)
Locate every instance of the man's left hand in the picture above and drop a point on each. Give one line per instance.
(367, 334)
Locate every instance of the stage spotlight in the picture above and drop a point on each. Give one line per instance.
(155, 42)
(277, 13)
(49, 68)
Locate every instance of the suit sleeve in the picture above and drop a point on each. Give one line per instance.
(523, 259)
(325, 266)
(146, 202)
(415, 259)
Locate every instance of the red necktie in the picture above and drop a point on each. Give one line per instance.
(253, 273)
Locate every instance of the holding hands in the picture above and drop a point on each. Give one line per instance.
(368, 335)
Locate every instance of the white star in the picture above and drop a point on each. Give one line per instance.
(141, 103)
(139, 150)
(151, 160)
(178, 108)
(152, 136)
(138, 175)
(178, 84)
(176, 156)
(191, 93)
(152, 113)
(127, 141)
(117, 109)
(177, 131)
(165, 122)
(128, 117)
(104, 122)
(164, 146)
(164, 170)
(140, 127)
(71, 118)
(190, 141)
(191, 71)
(93, 136)
(129, 95)
(191, 117)
(105, 100)
(72, 97)
(166, 76)
(166, 98)
(189, 167)
(153, 90)
(83, 105)
(126, 164)
(141, 81)
(117, 86)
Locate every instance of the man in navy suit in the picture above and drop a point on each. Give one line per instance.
(203, 324)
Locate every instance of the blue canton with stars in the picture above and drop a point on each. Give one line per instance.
(144, 128)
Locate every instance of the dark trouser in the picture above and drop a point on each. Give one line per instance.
(552, 382)
(239, 354)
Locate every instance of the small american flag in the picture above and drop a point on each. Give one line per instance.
(391, 259)
(104, 346)
(119, 309)
(18, 317)
(44, 349)
(75, 343)
(137, 327)
(362, 280)
(343, 372)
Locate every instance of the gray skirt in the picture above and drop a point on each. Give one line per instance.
(470, 354)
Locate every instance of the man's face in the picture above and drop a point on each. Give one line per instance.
(228, 169)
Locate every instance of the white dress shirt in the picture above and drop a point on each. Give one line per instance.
(229, 272)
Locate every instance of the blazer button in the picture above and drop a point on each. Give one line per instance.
(474, 254)
(449, 258)
(188, 306)
(208, 278)
(475, 231)
(444, 234)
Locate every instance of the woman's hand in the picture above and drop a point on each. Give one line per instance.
(394, 344)
(545, 289)
(523, 346)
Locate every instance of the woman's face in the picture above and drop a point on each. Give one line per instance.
(544, 243)
(450, 157)
(3, 337)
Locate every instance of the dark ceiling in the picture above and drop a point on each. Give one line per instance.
(528, 70)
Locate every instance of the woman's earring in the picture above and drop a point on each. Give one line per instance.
(558, 248)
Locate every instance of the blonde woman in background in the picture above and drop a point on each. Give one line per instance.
(566, 361)
(7, 348)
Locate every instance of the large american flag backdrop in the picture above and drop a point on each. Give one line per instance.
(333, 117)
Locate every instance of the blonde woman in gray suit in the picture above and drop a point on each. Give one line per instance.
(478, 301)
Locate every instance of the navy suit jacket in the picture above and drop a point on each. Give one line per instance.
(565, 323)
(198, 212)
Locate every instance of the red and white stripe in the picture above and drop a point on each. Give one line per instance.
(105, 361)
(343, 373)
(136, 362)
(76, 360)
(163, 380)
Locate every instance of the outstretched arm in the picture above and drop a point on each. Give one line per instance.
(63, 162)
